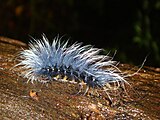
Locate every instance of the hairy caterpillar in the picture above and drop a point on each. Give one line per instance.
(45, 62)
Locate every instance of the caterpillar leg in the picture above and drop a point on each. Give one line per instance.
(80, 89)
(86, 90)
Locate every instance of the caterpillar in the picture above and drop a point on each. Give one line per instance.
(59, 61)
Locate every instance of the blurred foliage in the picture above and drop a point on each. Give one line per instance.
(131, 27)
(143, 31)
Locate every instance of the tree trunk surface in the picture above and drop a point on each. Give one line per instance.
(22, 100)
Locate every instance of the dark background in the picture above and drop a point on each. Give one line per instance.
(132, 27)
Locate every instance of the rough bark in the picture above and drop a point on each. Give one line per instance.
(22, 100)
